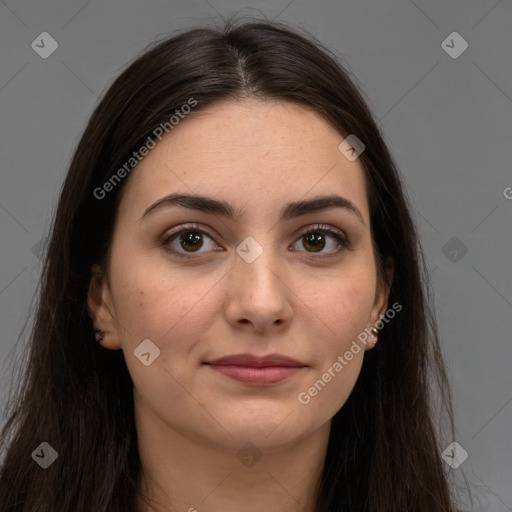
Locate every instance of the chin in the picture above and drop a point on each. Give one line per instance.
(279, 430)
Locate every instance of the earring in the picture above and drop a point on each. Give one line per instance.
(375, 333)
(99, 334)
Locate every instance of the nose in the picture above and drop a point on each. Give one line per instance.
(258, 295)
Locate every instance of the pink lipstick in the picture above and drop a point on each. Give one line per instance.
(257, 370)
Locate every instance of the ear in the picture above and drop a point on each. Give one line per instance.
(382, 295)
(101, 310)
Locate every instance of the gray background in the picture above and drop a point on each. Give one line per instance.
(447, 121)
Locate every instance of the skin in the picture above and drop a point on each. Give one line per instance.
(256, 155)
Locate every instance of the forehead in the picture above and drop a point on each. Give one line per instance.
(250, 152)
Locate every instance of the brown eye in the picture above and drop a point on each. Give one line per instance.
(314, 240)
(188, 240)
(317, 238)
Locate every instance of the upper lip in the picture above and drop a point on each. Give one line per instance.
(257, 361)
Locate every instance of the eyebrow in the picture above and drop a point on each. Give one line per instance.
(224, 209)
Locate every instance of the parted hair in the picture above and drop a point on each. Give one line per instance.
(385, 444)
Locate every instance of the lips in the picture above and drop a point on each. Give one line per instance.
(250, 360)
(257, 370)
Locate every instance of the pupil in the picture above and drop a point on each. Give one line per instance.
(315, 245)
(191, 238)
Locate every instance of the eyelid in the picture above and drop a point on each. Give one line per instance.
(321, 227)
(185, 227)
(339, 235)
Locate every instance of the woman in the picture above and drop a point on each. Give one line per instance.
(233, 230)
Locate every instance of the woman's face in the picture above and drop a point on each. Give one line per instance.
(251, 282)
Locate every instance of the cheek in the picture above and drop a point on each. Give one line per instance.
(166, 307)
(170, 311)
(343, 306)
(340, 313)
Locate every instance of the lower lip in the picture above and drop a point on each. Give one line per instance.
(257, 376)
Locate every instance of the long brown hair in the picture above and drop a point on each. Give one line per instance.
(384, 446)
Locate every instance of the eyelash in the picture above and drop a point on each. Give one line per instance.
(343, 241)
